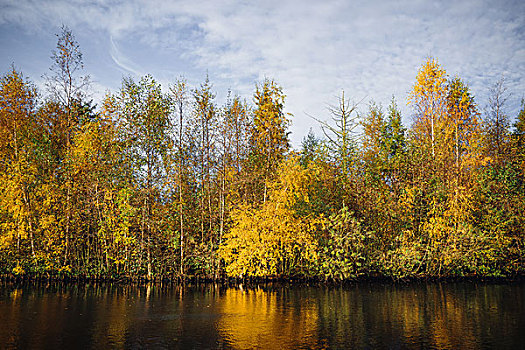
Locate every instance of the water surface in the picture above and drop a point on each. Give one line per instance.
(364, 315)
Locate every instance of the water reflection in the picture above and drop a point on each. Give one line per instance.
(268, 318)
(452, 315)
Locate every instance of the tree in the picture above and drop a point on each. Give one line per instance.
(273, 239)
(464, 128)
(269, 137)
(145, 117)
(373, 125)
(428, 146)
(394, 148)
(233, 152)
(519, 138)
(18, 166)
(206, 119)
(101, 189)
(66, 84)
(341, 138)
(309, 148)
(179, 95)
(67, 87)
(428, 98)
(497, 122)
(394, 143)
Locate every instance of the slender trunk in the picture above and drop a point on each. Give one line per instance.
(68, 199)
(31, 237)
(142, 224)
(181, 234)
(457, 182)
(432, 135)
(203, 179)
(68, 175)
(221, 224)
(149, 216)
(30, 223)
(17, 239)
(181, 217)
(99, 219)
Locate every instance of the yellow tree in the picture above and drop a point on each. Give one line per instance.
(429, 157)
(373, 125)
(269, 138)
(465, 132)
(273, 239)
(18, 170)
(429, 99)
(463, 148)
(446, 147)
(373, 194)
(102, 192)
(428, 134)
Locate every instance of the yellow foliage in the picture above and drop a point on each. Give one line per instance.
(272, 239)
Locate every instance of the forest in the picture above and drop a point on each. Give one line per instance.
(164, 182)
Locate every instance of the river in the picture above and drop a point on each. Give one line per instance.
(375, 315)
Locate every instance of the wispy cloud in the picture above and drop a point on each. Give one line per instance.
(124, 63)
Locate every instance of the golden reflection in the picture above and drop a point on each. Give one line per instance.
(255, 318)
(111, 314)
(16, 294)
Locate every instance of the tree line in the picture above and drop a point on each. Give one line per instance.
(160, 183)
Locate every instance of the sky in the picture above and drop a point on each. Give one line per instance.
(314, 49)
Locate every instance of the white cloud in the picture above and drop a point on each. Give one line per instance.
(122, 61)
(312, 48)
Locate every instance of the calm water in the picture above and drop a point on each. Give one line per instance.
(366, 315)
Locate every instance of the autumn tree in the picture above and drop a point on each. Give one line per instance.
(428, 149)
(145, 118)
(519, 138)
(18, 166)
(179, 94)
(67, 87)
(269, 137)
(233, 148)
(373, 124)
(428, 98)
(273, 239)
(102, 196)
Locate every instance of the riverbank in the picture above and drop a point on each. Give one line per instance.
(247, 281)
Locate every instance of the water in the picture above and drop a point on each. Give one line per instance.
(365, 315)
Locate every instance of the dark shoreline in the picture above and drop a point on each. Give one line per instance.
(248, 281)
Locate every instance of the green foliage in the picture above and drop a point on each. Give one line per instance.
(345, 252)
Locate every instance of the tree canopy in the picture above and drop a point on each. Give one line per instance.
(168, 182)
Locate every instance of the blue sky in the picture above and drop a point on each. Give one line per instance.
(314, 49)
